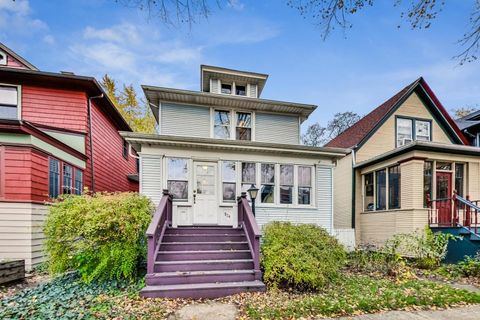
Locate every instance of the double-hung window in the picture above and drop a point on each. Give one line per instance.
(368, 201)
(8, 102)
(427, 182)
(67, 179)
(459, 172)
(304, 185)
(404, 131)
(409, 130)
(381, 190)
(229, 181)
(54, 178)
(177, 178)
(248, 176)
(394, 187)
(244, 126)
(267, 189)
(286, 183)
(78, 182)
(221, 128)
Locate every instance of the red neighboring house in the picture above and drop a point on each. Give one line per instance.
(58, 134)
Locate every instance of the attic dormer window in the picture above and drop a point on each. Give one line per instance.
(240, 90)
(3, 59)
(409, 130)
(226, 88)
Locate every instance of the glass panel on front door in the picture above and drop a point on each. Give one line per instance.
(205, 179)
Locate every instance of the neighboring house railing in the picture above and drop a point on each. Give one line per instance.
(160, 220)
(247, 220)
(455, 211)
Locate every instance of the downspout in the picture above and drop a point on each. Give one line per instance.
(90, 138)
(354, 161)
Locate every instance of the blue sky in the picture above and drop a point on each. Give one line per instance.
(352, 72)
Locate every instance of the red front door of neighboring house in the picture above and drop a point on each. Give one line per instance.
(444, 194)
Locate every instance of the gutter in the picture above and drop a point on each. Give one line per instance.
(90, 138)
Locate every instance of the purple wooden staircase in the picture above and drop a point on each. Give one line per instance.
(202, 262)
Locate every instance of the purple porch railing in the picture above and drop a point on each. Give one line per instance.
(454, 211)
(160, 220)
(247, 220)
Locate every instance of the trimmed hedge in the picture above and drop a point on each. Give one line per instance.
(301, 257)
(101, 235)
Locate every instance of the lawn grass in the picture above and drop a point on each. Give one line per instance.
(355, 294)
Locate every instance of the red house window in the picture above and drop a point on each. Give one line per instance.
(64, 178)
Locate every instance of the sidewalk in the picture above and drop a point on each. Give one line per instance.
(463, 313)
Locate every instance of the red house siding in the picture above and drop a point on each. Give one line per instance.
(14, 63)
(111, 168)
(25, 173)
(54, 107)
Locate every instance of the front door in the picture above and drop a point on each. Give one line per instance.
(444, 194)
(205, 193)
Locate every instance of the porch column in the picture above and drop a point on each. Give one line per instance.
(411, 173)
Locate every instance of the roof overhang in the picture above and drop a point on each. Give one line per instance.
(139, 139)
(157, 95)
(422, 146)
(212, 72)
(66, 81)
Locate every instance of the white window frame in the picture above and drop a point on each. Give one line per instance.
(412, 128)
(429, 130)
(188, 201)
(19, 98)
(224, 202)
(4, 63)
(233, 123)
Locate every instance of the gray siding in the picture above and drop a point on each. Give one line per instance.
(215, 86)
(276, 128)
(184, 120)
(151, 177)
(252, 92)
(321, 215)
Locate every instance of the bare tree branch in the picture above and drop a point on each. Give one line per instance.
(471, 39)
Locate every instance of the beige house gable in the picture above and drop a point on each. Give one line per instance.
(383, 140)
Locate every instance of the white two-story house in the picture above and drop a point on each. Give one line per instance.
(211, 146)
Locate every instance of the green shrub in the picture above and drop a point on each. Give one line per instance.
(426, 249)
(100, 235)
(302, 257)
(470, 267)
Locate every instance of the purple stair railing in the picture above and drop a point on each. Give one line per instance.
(246, 219)
(161, 219)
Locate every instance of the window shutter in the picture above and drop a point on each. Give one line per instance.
(252, 91)
(215, 86)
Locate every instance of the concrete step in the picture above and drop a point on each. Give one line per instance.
(207, 245)
(201, 290)
(212, 276)
(198, 237)
(204, 230)
(203, 265)
(203, 254)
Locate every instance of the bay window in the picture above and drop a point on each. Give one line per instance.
(8, 102)
(304, 184)
(427, 182)
(67, 179)
(228, 181)
(267, 188)
(394, 187)
(78, 182)
(177, 178)
(244, 126)
(221, 128)
(54, 178)
(286, 184)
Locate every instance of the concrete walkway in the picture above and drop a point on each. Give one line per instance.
(463, 313)
(206, 311)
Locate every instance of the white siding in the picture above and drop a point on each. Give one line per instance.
(151, 177)
(214, 86)
(21, 235)
(321, 215)
(276, 128)
(252, 91)
(184, 120)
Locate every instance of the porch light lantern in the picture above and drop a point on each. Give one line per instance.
(253, 192)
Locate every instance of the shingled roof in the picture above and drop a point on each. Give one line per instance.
(357, 133)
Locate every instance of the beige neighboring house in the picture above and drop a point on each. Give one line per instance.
(404, 153)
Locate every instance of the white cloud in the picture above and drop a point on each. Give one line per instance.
(16, 18)
(49, 39)
(121, 33)
(236, 4)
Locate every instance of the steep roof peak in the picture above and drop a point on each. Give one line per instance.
(9, 58)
